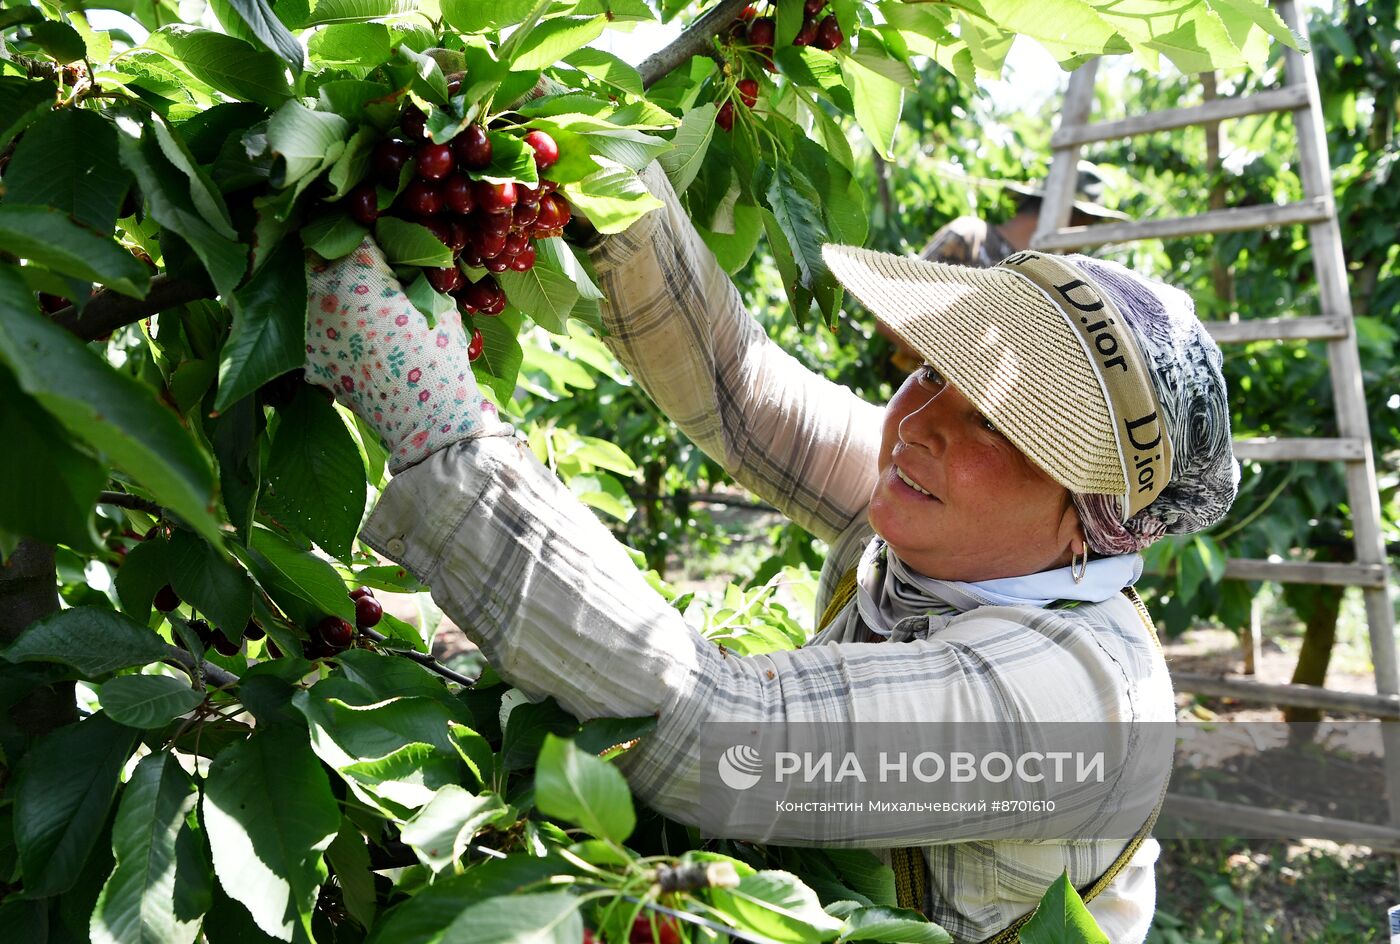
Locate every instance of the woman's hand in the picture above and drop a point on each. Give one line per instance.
(367, 343)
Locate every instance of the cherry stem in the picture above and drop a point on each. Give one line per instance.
(134, 502)
(422, 658)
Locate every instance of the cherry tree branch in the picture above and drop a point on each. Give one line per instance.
(108, 311)
(422, 658)
(134, 502)
(694, 41)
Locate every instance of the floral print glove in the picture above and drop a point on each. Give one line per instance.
(411, 383)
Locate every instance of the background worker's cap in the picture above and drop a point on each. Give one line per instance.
(1104, 379)
(1088, 193)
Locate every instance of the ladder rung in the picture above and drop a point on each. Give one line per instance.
(1279, 329)
(1216, 221)
(1288, 98)
(1300, 696)
(1247, 821)
(1273, 449)
(1342, 575)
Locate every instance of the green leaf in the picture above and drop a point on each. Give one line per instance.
(877, 100)
(439, 832)
(334, 236)
(170, 204)
(59, 40)
(1061, 918)
(892, 925)
(548, 918)
(349, 857)
(270, 815)
(430, 303)
(346, 11)
(227, 64)
(777, 905)
(315, 479)
(357, 48)
(269, 327)
(52, 239)
(68, 160)
(501, 355)
(94, 641)
(511, 159)
(692, 143)
(303, 140)
(613, 199)
(63, 793)
(794, 202)
(237, 437)
(147, 701)
(22, 101)
(406, 243)
(210, 583)
(606, 67)
(48, 487)
(553, 39)
(159, 889)
(145, 570)
(543, 292)
(584, 790)
(302, 584)
(257, 15)
(473, 16)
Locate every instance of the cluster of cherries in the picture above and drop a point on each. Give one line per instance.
(760, 32)
(486, 225)
(333, 634)
(330, 636)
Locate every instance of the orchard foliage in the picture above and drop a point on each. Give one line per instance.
(207, 737)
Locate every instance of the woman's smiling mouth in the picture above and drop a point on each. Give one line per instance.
(912, 484)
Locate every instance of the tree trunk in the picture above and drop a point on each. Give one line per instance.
(1320, 610)
(654, 514)
(29, 591)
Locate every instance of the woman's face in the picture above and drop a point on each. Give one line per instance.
(985, 510)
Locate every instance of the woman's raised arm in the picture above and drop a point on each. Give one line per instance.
(677, 323)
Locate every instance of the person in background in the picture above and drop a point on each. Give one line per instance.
(972, 241)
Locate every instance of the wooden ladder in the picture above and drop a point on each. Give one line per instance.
(1334, 325)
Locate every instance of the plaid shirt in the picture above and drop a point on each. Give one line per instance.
(559, 608)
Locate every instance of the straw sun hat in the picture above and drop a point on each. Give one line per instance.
(1103, 378)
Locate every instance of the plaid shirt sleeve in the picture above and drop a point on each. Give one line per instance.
(556, 604)
(678, 324)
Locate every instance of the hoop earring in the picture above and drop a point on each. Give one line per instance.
(1079, 563)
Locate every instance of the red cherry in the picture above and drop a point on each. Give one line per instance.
(665, 932)
(748, 13)
(335, 633)
(725, 116)
(547, 186)
(421, 198)
(459, 237)
(477, 345)
(554, 212)
(439, 228)
(497, 224)
(364, 204)
(498, 264)
(485, 296)
(762, 32)
(748, 92)
(813, 7)
(414, 124)
(829, 34)
(470, 258)
(524, 260)
(166, 599)
(361, 592)
(367, 610)
(525, 214)
(388, 160)
(454, 82)
(516, 241)
(445, 280)
(473, 147)
(435, 161)
(225, 646)
(495, 198)
(546, 151)
(489, 245)
(807, 35)
(457, 194)
(253, 631)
